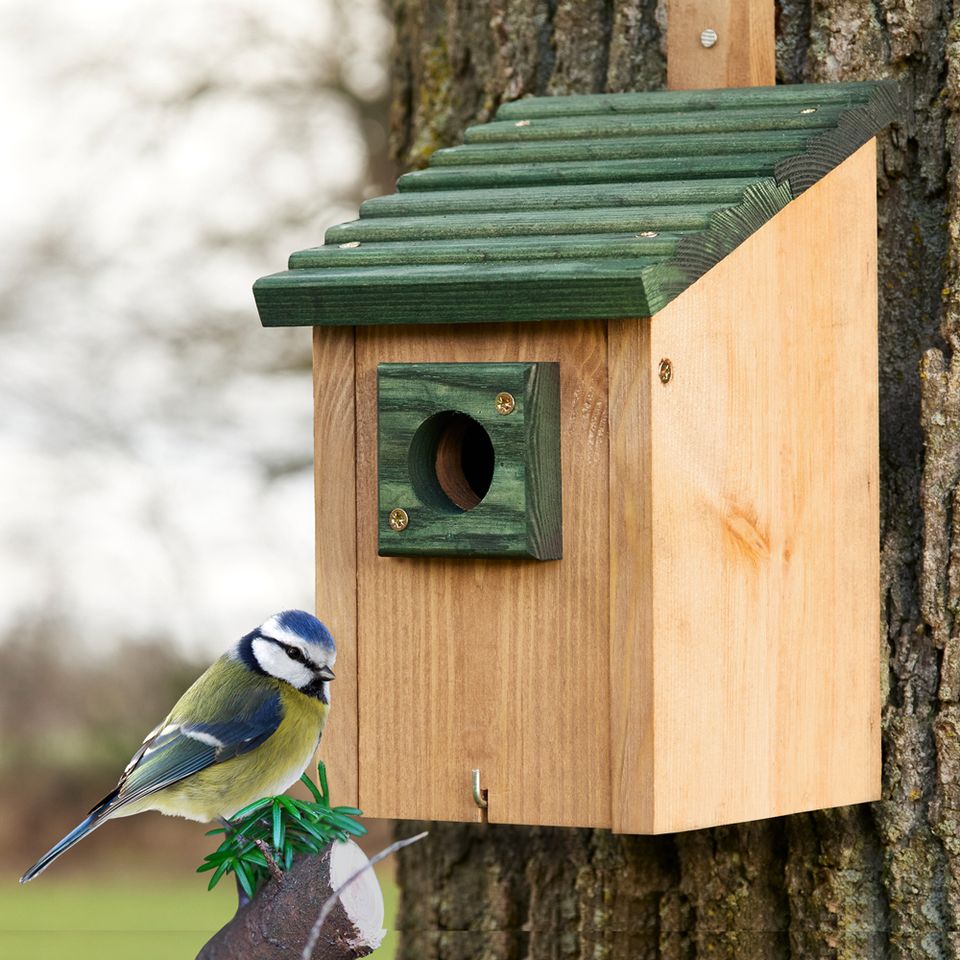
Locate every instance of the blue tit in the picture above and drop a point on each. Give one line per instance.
(246, 729)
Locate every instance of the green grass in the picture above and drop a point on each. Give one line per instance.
(141, 917)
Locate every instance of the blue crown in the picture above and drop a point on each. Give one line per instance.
(308, 627)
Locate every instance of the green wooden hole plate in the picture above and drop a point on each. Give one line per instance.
(520, 513)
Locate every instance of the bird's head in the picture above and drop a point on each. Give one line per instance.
(295, 647)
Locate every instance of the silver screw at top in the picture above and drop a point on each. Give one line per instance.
(708, 38)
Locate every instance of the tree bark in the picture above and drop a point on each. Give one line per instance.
(872, 881)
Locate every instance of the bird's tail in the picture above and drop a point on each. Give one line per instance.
(77, 833)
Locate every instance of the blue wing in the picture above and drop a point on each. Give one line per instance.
(177, 750)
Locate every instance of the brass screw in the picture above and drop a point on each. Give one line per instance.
(398, 519)
(666, 371)
(505, 403)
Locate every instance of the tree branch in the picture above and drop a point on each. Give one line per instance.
(335, 896)
(277, 923)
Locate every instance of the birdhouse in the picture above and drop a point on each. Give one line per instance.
(596, 464)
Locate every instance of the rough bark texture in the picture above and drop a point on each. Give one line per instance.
(277, 923)
(865, 882)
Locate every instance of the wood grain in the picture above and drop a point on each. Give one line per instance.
(479, 176)
(695, 144)
(448, 466)
(677, 101)
(522, 223)
(743, 56)
(600, 126)
(575, 246)
(336, 546)
(763, 622)
(496, 664)
(633, 770)
(506, 199)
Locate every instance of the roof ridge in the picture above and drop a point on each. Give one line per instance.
(511, 245)
(699, 252)
(654, 101)
(830, 148)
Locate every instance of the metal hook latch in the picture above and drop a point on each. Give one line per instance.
(478, 795)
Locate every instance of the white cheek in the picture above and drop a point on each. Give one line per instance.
(275, 662)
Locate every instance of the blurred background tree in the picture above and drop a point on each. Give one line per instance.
(863, 883)
(160, 156)
(155, 459)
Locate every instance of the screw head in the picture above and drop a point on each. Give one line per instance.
(505, 403)
(809, 110)
(708, 38)
(398, 519)
(666, 371)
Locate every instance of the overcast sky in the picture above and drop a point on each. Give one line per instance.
(155, 441)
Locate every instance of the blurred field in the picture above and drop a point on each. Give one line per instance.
(139, 916)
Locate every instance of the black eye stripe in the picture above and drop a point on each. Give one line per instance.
(295, 653)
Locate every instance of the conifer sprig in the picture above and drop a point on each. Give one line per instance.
(288, 826)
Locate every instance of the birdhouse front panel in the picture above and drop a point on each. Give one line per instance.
(491, 664)
(649, 601)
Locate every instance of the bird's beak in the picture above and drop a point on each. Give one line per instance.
(325, 673)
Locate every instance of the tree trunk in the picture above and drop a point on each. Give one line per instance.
(871, 881)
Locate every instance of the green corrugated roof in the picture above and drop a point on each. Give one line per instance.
(585, 207)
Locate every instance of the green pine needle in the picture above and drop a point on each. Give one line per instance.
(288, 826)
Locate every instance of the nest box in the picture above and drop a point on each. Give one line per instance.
(596, 464)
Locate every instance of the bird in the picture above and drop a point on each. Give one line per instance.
(245, 729)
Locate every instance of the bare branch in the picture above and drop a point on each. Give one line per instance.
(332, 899)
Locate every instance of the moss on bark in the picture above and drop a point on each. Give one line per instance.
(870, 882)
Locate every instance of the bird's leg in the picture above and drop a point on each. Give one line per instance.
(272, 864)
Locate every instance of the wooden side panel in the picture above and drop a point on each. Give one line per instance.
(633, 767)
(743, 56)
(765, 526)
(496, 664)
(336, 546)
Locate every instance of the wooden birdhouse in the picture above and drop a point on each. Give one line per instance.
(596, 463)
